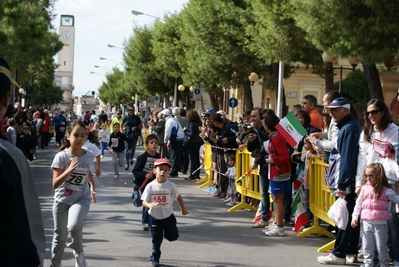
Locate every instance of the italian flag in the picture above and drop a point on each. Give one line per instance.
(291, 129)
(301, 218)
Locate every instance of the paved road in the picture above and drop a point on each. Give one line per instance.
(209, 236)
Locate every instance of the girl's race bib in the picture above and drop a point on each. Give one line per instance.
(76, 179)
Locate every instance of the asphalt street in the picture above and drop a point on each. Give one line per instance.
(209, 235)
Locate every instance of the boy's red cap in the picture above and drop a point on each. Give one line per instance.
(162, 161)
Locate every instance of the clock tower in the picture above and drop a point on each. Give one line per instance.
(64, 72)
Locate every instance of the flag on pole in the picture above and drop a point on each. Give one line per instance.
(301, 217)
(291, 129)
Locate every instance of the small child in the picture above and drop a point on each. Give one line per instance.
(104, 138)
(158, 197)
(26, 143)
(143, 172)
(372, 205)
(231, 173)
(117, 143)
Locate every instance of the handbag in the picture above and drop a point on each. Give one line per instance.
(186, 140)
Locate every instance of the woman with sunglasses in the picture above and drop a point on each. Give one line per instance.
(379, 129)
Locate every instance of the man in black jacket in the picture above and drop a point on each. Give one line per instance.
(255, 146)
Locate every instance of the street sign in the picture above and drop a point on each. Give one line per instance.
(233, 102)
(197, 94)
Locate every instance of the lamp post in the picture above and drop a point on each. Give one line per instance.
(103, 58)
(92, 72)
(114, 46)
(22, 93)
(96, 66)
(329, 59)
(138, 13)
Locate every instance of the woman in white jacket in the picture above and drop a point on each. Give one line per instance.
(380, 127)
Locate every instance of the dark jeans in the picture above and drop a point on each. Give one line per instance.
(59, 135)
(346, 241)
(223, 181)
(193, 153)
(160, 228)
(393, 234)
(45, 139)
(175, 155)
(265, 197)
(133, 142)
(184, 159)
(144, 216)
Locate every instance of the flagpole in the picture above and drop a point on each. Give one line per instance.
(280, 88)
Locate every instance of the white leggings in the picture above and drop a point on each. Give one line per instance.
(68, 219)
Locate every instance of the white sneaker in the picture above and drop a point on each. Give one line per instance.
(331, 259)
(260, 224)
(116, 177)
(352, 258)
(80, 259)
(102, 156)
(276, 231)
(227, 200)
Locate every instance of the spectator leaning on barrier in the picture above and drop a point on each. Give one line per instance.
(174, 136)
(22, 233)
(346, 242)
(309, 104)
(255, 146)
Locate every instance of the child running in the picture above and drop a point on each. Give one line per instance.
(117, 143)
(372, 205)
(231, 189)
(104, 138)
(158, 197)
(143, 172)
(73, 193)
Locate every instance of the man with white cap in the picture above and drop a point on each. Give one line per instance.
(173, 137)
(22, 233)
(347, 240)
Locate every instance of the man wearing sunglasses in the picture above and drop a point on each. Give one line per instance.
(347, 240)
(132, 124)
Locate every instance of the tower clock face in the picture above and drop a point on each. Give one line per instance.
(65, 35)
(67, 20)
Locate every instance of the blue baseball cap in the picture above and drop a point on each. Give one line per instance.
(209, 111)
(339, 102)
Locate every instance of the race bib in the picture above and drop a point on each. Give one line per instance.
(62, 129)
(76, 179)
(114, 142)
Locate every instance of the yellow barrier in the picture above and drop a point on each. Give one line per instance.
(208, 179)
(249, 186)
(320, 201)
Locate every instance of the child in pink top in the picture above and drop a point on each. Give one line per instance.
(372, 206)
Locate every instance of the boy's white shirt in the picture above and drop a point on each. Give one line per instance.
(165, 194)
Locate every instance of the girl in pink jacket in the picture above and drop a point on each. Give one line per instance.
(372, 206)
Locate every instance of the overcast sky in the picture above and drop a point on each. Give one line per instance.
(102, 22)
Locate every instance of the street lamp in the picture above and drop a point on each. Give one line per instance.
(253, 77)
(96, 66)
(92, 72)
(103, 58)
(114, 46)
(22, 92)
(329, 59)
(138, 13)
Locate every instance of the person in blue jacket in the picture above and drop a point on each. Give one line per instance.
(22, 233)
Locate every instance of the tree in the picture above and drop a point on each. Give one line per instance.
(368, 29)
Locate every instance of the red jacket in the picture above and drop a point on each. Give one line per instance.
(46, 124)
(280, 163)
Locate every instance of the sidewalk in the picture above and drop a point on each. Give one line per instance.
(209, 235)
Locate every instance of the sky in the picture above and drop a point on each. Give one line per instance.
(102, 22)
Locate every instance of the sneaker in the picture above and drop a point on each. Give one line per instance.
(351, 258)
(268, 228)
(209, 188)
(126, 167)
(331, 259)
(102, 156)
(260, 224)
(154, 263)
(275, 231)
(131, 162)
(271, 224)
(116, 177)
(80, 259)
(230, 204)
(146, 227)
(227, 200)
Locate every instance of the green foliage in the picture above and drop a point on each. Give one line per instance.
(354, 87)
